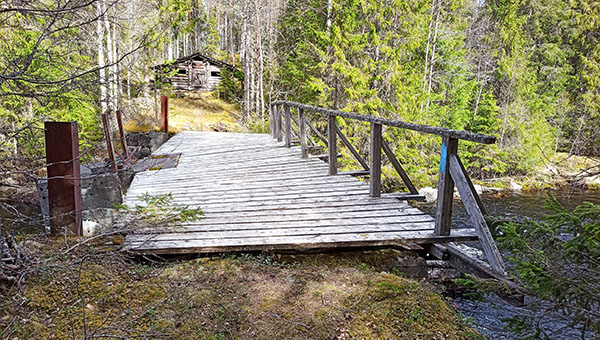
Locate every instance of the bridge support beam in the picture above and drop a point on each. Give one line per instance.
(64, 179)
(473, 207)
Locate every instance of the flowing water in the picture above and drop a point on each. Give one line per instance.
(488, 315)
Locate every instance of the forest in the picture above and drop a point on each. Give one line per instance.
(525, 71)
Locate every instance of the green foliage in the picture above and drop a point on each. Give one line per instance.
(230, 87)
(472, 288)
(371, 60)
(524, 71)
(36, 88)
(559, 260)
(159, 211)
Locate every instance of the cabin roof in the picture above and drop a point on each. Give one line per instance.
(199, 56)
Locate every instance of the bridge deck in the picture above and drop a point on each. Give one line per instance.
(258, 195)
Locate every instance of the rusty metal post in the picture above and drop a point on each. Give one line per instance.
(109, 148)
(64, 179)
(122, 135)
(164, 113)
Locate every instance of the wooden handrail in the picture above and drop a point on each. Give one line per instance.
(458, 134)
(452, 172)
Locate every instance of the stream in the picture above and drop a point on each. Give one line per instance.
(487, 315)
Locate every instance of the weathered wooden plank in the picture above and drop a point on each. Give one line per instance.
(294, 242)
(317, 216)
(242, 211)
(256, 176)
(257, 179)
(233, 197)
(467, 194)
(250, 229)
(272, 182)
(240, 192)
(198, 186)
(355, 172)
(278, 232)
(289, 165)
(252, 188)
(279, 204)
(375, 175)
(386, 222)
(404, 196)
(443, 217)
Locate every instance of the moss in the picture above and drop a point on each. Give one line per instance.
(246, 297)
(396, 308)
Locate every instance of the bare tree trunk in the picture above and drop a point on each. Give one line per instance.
(101, 67)
(115, 68)
(432, 60)
(478, 99)
(329, 9)
(426, 64)
(109, 54)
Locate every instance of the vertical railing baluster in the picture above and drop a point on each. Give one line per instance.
(271, 121)
(279, 123)
(375, 180)
(302, 128)
(288, 127)
(331, 144)
(443, 215)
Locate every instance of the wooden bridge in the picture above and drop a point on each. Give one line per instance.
(261, 192)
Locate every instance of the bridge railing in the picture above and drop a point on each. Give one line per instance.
(284, 127)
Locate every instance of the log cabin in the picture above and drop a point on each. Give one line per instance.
(196, 72)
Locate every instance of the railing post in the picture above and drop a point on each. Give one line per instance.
(271, 120)
(164, 113)
(288, 127)
(109, 147)
(443, 215)
(375, 180)
(331, 144)
(280, 123)
(64, 179)
(302, 128)
(122, 135)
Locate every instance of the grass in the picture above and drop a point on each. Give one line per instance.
(103, 294)
(194, 111)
